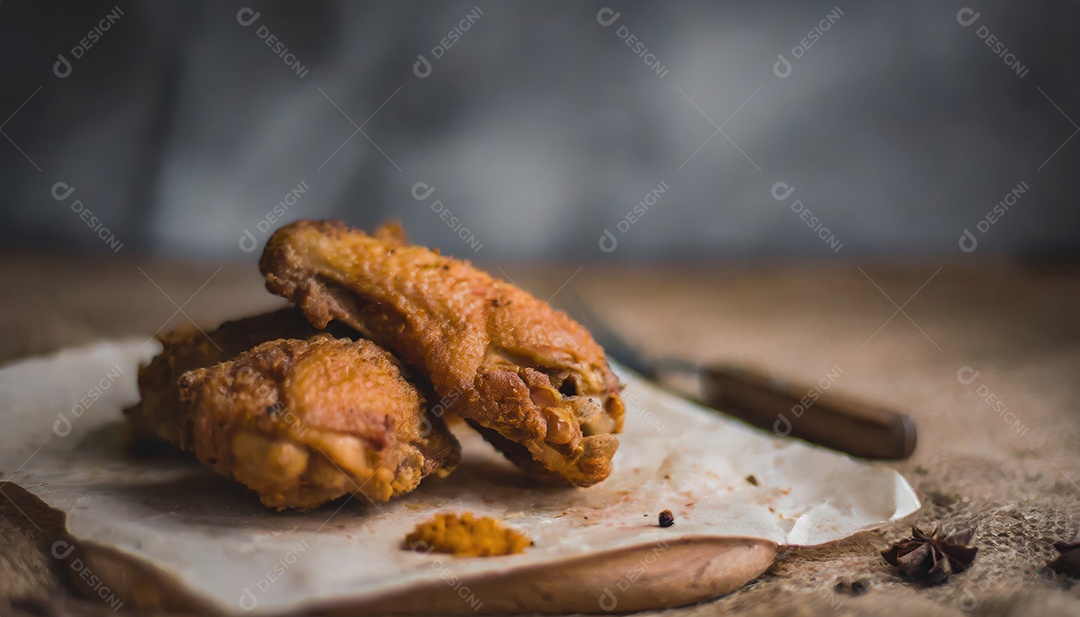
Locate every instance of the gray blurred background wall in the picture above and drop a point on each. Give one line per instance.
(524, 130)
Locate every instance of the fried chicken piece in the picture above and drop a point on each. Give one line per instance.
(160, 415)
(163, 416)
(529, 378)
(305, 422)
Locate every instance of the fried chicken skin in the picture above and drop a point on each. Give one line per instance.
(529, 378)
(160, 415)
(303, 422)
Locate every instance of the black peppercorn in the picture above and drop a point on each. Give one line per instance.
(667, 519)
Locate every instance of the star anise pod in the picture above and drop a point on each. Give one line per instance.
(1068, 562)
(931, 557)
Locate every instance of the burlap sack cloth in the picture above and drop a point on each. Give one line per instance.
(1011, 469)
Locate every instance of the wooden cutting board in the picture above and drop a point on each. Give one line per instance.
(171, 535)
(633, 579)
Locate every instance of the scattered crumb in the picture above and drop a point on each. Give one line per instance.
(666, 519)
(667, 476)
(752, 480)
(466, 536)
(772, 509)
(785, 491)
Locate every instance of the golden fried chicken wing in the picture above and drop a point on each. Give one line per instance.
(532, 380)
(302, 422)
(160, 415)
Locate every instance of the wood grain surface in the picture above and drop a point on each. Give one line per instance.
(985, 355)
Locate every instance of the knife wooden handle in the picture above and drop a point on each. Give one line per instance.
(809, 412)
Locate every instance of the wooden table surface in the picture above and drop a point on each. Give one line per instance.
(900, 332)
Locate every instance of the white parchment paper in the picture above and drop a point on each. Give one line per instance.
(60, 440)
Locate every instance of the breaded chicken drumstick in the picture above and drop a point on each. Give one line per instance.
(160, 416)
(304, 422)
(528, 377)
(269, 444)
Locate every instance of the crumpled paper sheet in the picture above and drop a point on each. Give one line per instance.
(60, 441)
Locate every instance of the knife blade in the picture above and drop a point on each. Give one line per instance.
(857, 427)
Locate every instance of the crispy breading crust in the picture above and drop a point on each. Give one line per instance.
(160, 416)
(305, 422)
(511, 364)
